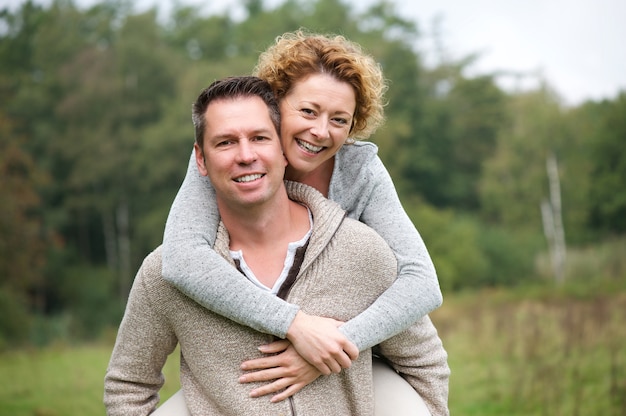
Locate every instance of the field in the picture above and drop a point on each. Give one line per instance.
(509, 354)
(555, 355)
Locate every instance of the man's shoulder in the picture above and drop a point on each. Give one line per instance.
(153, 261)
(354, 226)
(364, 238)
(150, 281)
(363, 252)
(151, 269)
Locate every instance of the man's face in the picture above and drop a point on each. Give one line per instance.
(242, 154)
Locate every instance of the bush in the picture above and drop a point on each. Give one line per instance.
(91, 301)
(470, 254)
(15, 322)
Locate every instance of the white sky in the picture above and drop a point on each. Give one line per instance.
(577, 46)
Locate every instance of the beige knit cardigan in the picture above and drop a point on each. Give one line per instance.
(339, 278)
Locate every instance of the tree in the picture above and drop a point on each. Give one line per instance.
(23, 239)
(455, 136)
(112, 94)
(608, 193)
(514, 179)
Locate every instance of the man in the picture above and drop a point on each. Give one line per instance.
(284, 237)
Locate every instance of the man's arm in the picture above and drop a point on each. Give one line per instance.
(144, 341)
(418, 355)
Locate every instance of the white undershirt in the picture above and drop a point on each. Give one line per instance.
(291, 252)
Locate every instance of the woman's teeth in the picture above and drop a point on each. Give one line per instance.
(309, 147)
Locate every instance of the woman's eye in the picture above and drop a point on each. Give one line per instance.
(308, 111)
(341, 121)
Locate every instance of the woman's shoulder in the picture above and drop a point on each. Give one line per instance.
(357, 155)
(361, 148)
(358, 170)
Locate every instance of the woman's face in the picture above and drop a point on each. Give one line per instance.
(316, 116)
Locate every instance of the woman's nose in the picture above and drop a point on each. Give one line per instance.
(321, 128)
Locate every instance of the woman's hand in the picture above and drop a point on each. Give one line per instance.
(286, 370)
(319, 341)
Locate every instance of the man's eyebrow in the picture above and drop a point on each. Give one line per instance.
(256, 132)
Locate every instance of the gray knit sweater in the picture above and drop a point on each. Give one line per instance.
(339, 277)
(361, 185)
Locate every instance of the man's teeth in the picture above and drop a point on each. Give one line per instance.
(308, 146)
(248, 178)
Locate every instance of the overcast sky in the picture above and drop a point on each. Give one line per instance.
(577, 46)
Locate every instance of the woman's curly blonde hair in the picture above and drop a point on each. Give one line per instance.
(296, 55)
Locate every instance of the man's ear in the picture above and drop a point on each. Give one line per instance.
(200, 160)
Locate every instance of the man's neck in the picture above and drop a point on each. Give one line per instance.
(263, 234)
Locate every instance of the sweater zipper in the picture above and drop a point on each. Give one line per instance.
(293, 407)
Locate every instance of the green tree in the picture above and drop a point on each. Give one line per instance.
(608, 193)
(112, 94)
(515, 180)
(455, 136)
(23, 239)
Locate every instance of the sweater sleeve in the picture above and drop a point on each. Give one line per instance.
(144, 341)
(191, 264)
(419, 356)
(364, 188)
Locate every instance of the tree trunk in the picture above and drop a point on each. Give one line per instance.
(553, 222)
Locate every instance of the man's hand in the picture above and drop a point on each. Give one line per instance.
(288, 370)
(319, 342)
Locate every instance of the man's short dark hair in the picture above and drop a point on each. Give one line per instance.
(228, 89)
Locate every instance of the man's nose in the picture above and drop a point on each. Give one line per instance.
(246, 153)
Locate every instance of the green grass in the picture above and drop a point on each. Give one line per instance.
(61, 380)
(545, 353)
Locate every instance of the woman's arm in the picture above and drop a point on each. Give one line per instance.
(363, 187)
(191, 265)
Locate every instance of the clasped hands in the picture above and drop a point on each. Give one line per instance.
(314, 347)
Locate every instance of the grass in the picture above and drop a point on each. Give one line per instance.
(548, 355)
(61, 380)
(542, 353)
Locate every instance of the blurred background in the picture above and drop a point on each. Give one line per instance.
(512, 167)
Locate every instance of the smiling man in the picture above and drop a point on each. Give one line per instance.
(285, 238)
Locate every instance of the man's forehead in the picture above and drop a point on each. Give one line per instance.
(236, 115)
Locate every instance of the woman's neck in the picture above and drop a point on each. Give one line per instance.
(318, 178)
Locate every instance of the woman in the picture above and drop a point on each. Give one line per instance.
(330, 94)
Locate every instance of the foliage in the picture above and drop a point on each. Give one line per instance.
(468, 254)
(95, 136)
(15, 320)
(608, 209)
